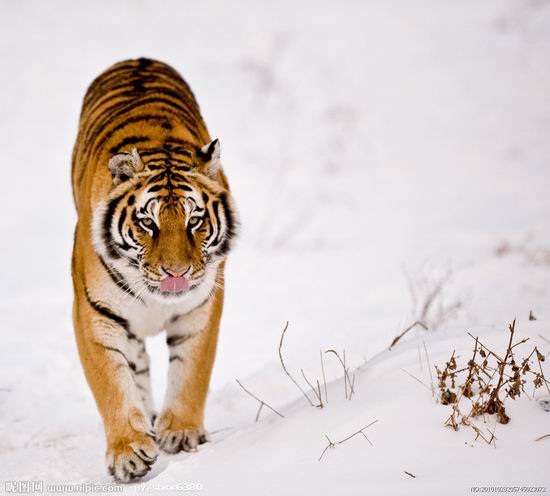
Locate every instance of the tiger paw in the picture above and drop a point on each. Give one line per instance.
(182, 440)
(128, 461)
(175, 434)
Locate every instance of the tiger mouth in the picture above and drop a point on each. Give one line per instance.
(154, 287)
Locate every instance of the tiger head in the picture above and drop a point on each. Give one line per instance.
(167, 224)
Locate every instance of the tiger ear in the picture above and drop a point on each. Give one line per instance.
(209, 156)
(124, 165)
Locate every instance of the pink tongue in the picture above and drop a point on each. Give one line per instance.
(174, 284)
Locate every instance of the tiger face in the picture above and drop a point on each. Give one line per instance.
(167, 224)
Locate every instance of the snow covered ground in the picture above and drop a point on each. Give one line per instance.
(375, 148)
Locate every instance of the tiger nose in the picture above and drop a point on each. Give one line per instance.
(176, 271)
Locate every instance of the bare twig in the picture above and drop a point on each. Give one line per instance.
(316, 392)
(531, 316)
(329, 445)
(258, 413)
(262, 403)
(412, 326)
(360, 431)
(542, 437)
(324, 379)
(346, 376)
(409, 474)
(429, 368)
(285, 369)
(417, 379)
(347, 380)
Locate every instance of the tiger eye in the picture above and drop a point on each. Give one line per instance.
(195, 221)
(148, 223)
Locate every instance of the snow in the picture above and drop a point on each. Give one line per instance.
(364, 141)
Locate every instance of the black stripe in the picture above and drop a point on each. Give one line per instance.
(131, 235)
(184, 168)
(116, 350)
(175, 357)
(107, 222)
(131, 140)
(121, 220)
(152, 152)
(109, 314)
(215, 210)
(177, 339)
(231, 226)
(155, 188)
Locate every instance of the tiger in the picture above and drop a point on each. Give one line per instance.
(156, 221)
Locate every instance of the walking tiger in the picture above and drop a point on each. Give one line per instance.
(156, 221)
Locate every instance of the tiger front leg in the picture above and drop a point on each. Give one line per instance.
(106, 352)
(140, 367)
(192, 344)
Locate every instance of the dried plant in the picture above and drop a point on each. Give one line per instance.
(315, 386)
(487, 381)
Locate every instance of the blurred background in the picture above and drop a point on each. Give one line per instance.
(390, 161)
